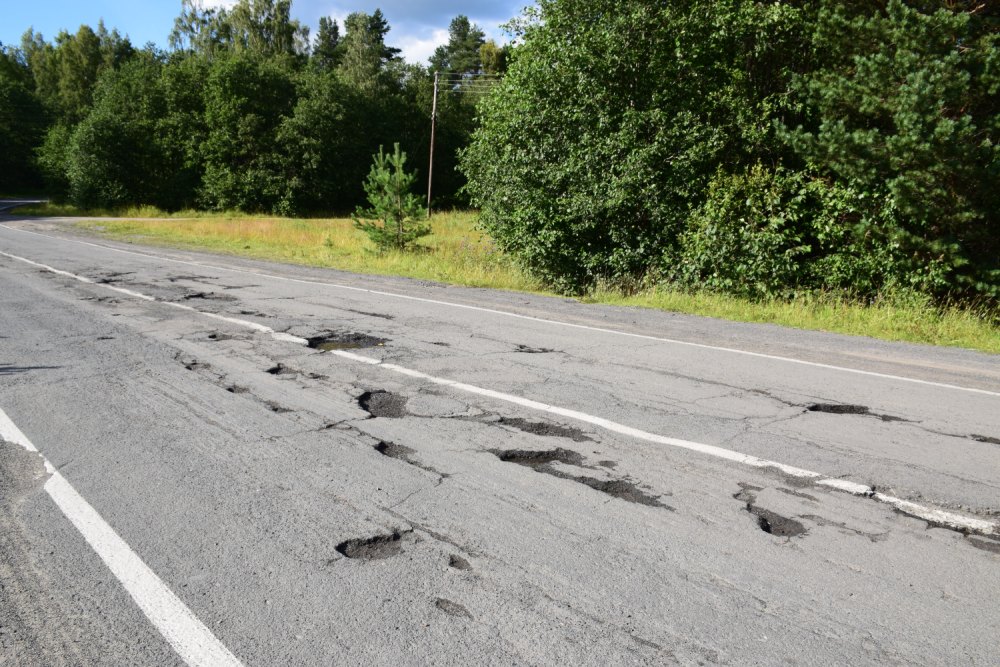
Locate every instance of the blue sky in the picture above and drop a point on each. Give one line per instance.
(417, 25)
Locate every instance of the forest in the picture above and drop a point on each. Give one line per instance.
(760, 149)
(245, 110)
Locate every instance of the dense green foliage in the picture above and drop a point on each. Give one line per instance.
(394, 219)
(243, 112)
(754, 148)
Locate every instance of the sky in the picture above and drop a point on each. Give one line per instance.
(417, 26)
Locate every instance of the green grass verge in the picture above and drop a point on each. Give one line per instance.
(458, 253)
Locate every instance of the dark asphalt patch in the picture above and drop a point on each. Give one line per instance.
(544, 429)
(348, 340)
(848, 409)
(372, 548)
(452, 608)
(382, 403)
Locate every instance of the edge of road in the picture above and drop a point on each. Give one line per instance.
(966, 370)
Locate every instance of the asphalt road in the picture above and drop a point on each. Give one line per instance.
(470, 476)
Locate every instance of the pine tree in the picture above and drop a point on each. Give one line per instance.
(395, 219)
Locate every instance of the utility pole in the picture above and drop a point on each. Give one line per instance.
(430, 166)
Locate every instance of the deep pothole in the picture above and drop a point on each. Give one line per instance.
(770, 522)
(344, 340)
(372, 548)
(542, 460)
(381, 403)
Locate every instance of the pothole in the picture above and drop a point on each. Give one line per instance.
(281, 369)
(619, 488)
(849, 409)
(207, 296)
(544, 429)
(236, 389)
(452, 608)
(775, 524)
(536, 459)
(768, 521)
(276, 408)
(458, 562)
(542, 460)
(381, 403)
(394, 451)
(985, 438)
(526, 349)
(372, 548)
(344, 341)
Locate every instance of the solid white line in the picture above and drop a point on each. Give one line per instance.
(671, 341)
(188, 636)
(938, 516)
(288, 338)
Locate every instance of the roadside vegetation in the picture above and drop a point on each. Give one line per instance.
(457, 252)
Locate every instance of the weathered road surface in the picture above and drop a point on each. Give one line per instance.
(470, 477)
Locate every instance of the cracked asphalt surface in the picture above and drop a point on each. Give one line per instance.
(310, 510)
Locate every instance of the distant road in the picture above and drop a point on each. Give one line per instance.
(241, 462)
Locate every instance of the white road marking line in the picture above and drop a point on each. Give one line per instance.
(188, 636)
(957, 521)
(492, 311)
(938, 516)
(278, 335)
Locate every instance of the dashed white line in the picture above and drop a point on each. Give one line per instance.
(530, 318)
(942, 517)
(187, 635)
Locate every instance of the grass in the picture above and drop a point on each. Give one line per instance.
(70, 211)
(454, 253)
(903, 318)
(457, 253)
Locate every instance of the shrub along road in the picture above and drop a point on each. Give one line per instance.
(302, 466)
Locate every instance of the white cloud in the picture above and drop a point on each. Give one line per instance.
(417, 49)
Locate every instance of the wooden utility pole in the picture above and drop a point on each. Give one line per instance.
(430, 165)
